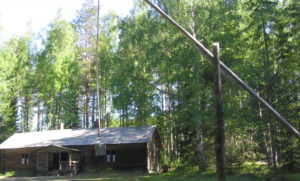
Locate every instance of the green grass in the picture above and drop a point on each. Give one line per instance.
(123, 176)
(8, 174)
(182, 176)
(247, 172)
(25, 173)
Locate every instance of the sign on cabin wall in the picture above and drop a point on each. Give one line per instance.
(100, 149)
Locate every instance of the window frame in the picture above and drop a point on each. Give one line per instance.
(24, 159)
(110, 156)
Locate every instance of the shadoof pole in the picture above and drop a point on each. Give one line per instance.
(227, 72)
(219, 130)
(97, 70)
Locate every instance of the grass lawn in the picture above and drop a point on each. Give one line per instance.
(172, 176)
(247, 172)
(185, 177)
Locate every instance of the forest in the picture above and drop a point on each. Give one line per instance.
(150, 74)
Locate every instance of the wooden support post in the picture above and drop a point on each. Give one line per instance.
(220, 137)
(1, 161)
(59, 161)
(70, 161)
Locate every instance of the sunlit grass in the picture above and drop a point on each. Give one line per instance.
(8, 174)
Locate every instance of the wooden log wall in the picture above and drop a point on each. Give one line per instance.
(2, 152)
(128, 156)
(12, 159)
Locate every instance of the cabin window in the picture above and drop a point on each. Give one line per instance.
(110, 156)
(24, 159)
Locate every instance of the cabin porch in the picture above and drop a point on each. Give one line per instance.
(57, 160)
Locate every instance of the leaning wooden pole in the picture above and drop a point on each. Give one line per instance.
(227, 72)
(219, 132)
(97, 71)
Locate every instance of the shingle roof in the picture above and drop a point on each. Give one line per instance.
(74, 137)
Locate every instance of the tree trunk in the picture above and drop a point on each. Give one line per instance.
(273, 156)
(200, 146)
(267, 68)
(93, 109)
(87, 77)
(26, 114)
(105, 109)
(87, 100)
(38, 118)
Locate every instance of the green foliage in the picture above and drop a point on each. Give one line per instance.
(58, 71)
(154, 61)
(149, 73)
(9, 174)
(14, 81)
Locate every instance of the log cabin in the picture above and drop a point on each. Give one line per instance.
(68, 151)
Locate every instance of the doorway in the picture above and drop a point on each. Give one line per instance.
(54, 161)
